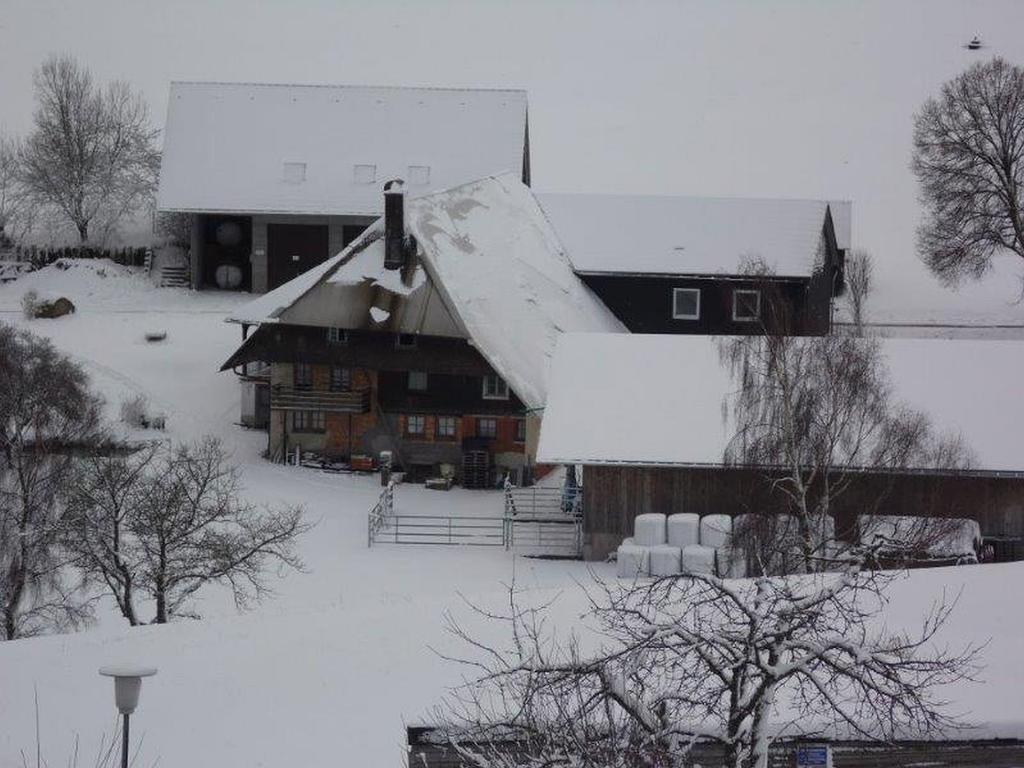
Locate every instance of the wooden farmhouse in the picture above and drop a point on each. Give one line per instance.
(643, 415)
(277, 178)
(429, 336)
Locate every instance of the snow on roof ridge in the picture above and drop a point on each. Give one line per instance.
(351, 86)
(708, 198)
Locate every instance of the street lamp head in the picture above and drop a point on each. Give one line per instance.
(127, 684)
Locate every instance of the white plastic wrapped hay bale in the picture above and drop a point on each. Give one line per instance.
(633, 561)
(698, 559)
(666, 560)
(683, 529)
(731, 563)
(649, 529)
(715, 531)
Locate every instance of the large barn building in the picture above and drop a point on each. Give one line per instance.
(277, 178)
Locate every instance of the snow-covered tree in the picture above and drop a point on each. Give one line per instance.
(91, 154)
(969, 161)
(668, 664)
(160, 525)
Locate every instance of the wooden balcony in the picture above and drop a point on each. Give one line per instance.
(291, 399)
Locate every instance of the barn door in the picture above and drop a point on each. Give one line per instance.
(292, 249)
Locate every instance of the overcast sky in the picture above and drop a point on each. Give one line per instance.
(776, 99)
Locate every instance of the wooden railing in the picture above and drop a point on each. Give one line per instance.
(291, 399)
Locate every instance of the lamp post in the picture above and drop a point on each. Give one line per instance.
(127, 685)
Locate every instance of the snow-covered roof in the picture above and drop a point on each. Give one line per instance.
(489, 268)
(659, 398)
(691, 235)
(327, 149)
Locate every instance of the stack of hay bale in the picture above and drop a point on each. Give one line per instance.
(664, 545)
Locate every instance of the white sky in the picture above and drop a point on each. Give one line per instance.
(773, 99)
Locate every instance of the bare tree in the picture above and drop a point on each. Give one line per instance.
(813, 415)
(860, 278)
(16, 210)
(667, 666)
(47, 414)
(969, 160)
(103, 495)
(163, 525)
(91, 152)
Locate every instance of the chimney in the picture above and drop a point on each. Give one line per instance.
(394, 224)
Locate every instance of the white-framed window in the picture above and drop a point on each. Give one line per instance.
(364, 173)
(337, 336)
(341, 378)
(416, 425)
(686, 303)
(446, 427)
(419, 174)
(405, 341)
(746, 305)
(294, 173)
(520, 430)
(418, 381)
(486, 427)
(495, 387)
(303, 373)
(308, 421)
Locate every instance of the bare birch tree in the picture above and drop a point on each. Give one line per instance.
(91, 154)
(969, 161)
(47, 414)
(160, 526)
(670, 665)
(813, 415)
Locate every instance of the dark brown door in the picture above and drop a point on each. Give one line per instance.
(292, 249)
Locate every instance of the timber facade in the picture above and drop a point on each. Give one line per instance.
(615, 495)
(348, 395)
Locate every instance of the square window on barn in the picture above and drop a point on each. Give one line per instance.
(417, 381)
(746, 305)
(495, 387)
(341, 378)
(337, 336)
(487, 427)
(364, 173)
(405, 341)
(446, 427)
(686, 303)
(303, 376)
(521, 430)
(294, 173)
(416, 426)
(419, 174)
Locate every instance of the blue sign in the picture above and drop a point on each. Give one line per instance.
(814, 757)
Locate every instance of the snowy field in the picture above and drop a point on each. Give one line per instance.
(335, 664)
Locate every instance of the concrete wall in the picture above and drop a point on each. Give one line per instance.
(335, 235)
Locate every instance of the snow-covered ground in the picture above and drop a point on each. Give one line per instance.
(335, 664)
(350, 632)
